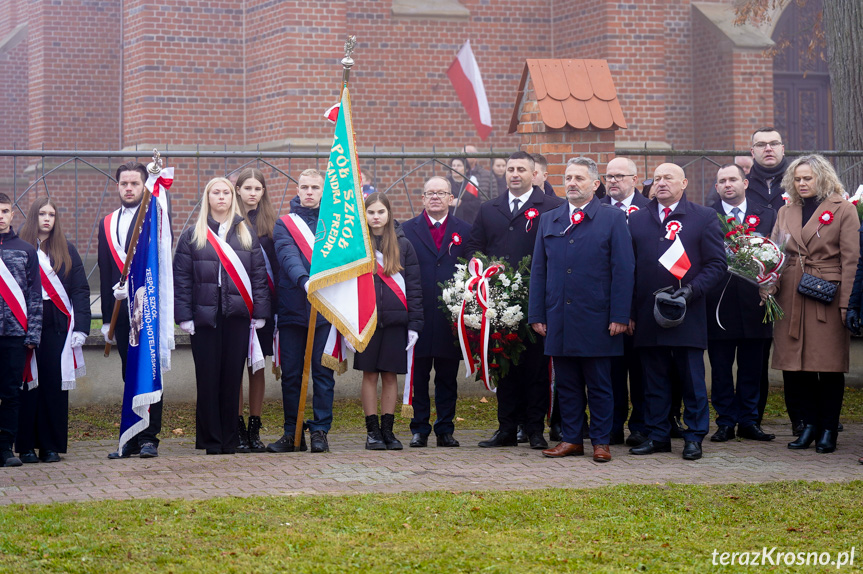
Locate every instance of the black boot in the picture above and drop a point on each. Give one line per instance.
(807, 435)
(374, 440)
(243, 445)
(826, 442)
(390, 439)
(255, 443)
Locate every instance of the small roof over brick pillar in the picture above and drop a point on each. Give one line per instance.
(567, 108)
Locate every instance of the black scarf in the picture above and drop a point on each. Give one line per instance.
(758, 176)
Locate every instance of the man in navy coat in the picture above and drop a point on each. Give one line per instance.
(439, 240)
(581, 285)
(620, 180)
(737, 327)
(505, 228)
(653, 231)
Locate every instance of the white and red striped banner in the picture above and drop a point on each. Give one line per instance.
(71, 358)
(14, 297)
(675, 259)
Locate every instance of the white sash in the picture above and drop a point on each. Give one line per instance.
(14, 297)
(396, 282)
(71, 358)
(118, 252)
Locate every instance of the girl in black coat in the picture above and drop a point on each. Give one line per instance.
(397, 328)
(44, 416)
(208, 305)
(261, 218)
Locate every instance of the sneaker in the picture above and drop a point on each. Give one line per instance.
(286, 444)
(128, 450)
(319, 441)
(149, 450)
(8, 458)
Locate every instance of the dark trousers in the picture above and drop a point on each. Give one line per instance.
(627, 369)
(576, 376)
(292, 340)
(676, 392)
(736, 406)
(765, 380)
(689, 361)
(445, 394)
(44, 415)
(819, 396)
(220, 355)
(525, 389)
(13, 355)
(121, 333)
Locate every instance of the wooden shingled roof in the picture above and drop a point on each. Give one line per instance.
(575, 93)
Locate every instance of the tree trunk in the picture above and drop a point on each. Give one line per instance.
(843, 27)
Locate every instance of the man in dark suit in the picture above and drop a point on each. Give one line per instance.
(505, 229)
(620, 180)
(581, 284)
(439, 240)
(112, 250)
(736, 328)
(661, 230)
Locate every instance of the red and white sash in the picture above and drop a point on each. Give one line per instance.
(118, 252)
(240, 277)
(71, 358)
(14, 298)
(303, 236)
(271, 282)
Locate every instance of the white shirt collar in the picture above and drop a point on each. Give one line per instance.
(522, 199)
(673, 206)
(433, 220)
(626, 202)
(728, 207)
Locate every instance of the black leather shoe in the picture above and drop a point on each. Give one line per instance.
(723, 434)
(691, 450)
(615, 437)
(447, 440)
(49, 456)
(754, 432)
(8, 458)
(805, 439)
(500, 438)
(840, 428)
(826, 442)
(128, 450)
(521, 435)
(537, 441)
(555, 433)
(419, 440)
(149, 450)
(650, 447)
(28, 457)
(319, 441)
(636, 438)
(797, 428)
(286, 444)
(677, 427)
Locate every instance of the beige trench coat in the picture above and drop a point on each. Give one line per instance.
(812, 336)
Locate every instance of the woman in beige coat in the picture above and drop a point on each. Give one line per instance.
(820, 229)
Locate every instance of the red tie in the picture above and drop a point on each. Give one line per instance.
(665, 213)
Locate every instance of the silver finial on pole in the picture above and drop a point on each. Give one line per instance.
(348, 61)
(156, 165)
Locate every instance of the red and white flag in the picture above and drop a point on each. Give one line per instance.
(675, 259)
(467, 81)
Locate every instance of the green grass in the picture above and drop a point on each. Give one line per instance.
(667, 528)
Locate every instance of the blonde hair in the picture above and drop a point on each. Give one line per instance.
(826, 180)
(199, 236)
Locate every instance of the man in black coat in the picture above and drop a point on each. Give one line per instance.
(620, 180)
(736, 327)
(439, 240)
(115, 235)
(505, 229)
(673, 234)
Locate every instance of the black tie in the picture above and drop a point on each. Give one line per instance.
(515, 204)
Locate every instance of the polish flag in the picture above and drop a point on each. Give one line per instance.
(675, 259)
(471, 187)
(465, 77)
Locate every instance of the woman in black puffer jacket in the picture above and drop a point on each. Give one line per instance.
(208, 305)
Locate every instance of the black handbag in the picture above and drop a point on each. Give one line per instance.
(817, 288)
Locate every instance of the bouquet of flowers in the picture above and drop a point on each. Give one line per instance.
(487, 302)
(754, 258)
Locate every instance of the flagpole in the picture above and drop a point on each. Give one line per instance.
(347, 63)
(155, 167)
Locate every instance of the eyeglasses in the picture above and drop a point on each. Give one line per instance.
(762, 145)
(435, 193)
(616, 176)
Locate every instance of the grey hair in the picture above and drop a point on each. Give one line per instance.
(592, 170)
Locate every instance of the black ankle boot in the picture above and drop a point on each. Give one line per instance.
(390, 439)
(255, 443)
(243, 445)
(374, 440)
(807, 435)
(826, 442)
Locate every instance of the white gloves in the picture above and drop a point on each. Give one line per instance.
(121, 293)
(349, 346)
(306, 287)
(78, 339)
(105, 329)
(188, 327)
(413, 337)
(260, 323)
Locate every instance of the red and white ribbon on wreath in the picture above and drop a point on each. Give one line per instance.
(530, 215)
(477, 284)
(11, 292)
(672, 228)
(71, 358)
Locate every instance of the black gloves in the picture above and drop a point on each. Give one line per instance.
(685, 292)
(852, 320)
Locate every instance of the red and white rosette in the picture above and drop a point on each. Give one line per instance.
(454, 240)
(576, 218)
(478, 285)
(672, 228)
(752, 221)
(826, 218)
(530, 215)
(632, 209)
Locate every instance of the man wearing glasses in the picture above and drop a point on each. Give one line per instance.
(439, 240)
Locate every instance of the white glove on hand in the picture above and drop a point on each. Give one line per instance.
(349, 346)
(105, 329)
(121, 293)
(260, 323)
(413, 337)
(78, 339)
(188, 327)
(306, 287)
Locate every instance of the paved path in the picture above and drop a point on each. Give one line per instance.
(182, 472)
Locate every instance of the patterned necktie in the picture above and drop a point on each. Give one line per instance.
(436, 224)
(665, 213)
(515, 204)
(738, 215)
